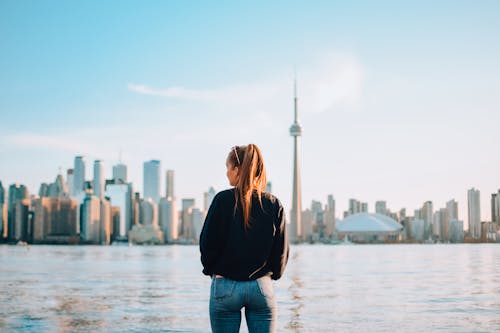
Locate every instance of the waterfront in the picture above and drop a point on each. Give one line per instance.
(376, 288)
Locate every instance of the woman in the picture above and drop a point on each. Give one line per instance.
(243, 246)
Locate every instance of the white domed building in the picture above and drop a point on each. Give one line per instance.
(369, 228)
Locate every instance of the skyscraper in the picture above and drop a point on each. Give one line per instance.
(55, 220)
(2, 193)
(331, 202)
(452, 207)
(169, 219)
(474, 212)
(121, 196)
(427, 216)
(295, 218)
(120, 173)
(16, 193)
(380, 207)
(170, 184)
(3, 212)
(90, 227)
(208, 198)
(187, 229)
(78, 176)
(450, 213)
(494, 208)
(69, 181)
(98, 179)
(151, 177)
(149, 212)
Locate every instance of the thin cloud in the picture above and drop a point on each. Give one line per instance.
(335, 79)
(235, 94)
(174, 92)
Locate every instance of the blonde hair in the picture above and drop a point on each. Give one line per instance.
(251, 177)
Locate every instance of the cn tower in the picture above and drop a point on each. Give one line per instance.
(295, 219)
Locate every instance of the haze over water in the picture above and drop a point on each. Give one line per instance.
(376, 288)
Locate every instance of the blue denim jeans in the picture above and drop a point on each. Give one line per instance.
(228, 297)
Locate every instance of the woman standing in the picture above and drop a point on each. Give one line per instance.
(244, 247)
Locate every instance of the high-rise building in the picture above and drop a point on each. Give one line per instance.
(436, 225)
(444, 224)
(106, 222)
(402, 214)
(452, 207)
(3, 212)
(98, 185)
(90, 220)
(296, 213)
(149, 212)
(417, 214)
(151, 178)
(331, 203)
(427, 215)
(316, 207)
(55, 220)
(417, 229)
(54, 190)
(70, 181)
(498, 208)
(495, 208)
(354, 207)
(17, 193)
(329, 216)
(2, 193)
(120, 195)
(381, 207)
(168, 221)
(23, 221)
(170, 184)
(474, 212)
(446, 215)
(120, 173)
(79, 177)
(208, 198)
(187, 229)
(456, 231)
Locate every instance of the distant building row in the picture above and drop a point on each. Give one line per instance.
(100, 211)
(426, 224)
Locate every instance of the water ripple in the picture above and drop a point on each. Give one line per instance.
(414, 288)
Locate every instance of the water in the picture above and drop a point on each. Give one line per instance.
(365, 288)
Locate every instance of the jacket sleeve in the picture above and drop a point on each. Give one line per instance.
(210, 245)
(279, 254)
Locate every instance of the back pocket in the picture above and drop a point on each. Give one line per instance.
(222, 288)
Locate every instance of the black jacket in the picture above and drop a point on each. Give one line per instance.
(238, 254)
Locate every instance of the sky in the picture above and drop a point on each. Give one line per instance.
(398, 101)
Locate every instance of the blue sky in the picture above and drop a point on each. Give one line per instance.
(398, 102)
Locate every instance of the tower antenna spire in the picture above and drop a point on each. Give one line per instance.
(295, 94)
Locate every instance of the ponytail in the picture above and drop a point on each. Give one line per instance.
(252, 177)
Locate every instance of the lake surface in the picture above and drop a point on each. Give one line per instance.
(359, 288)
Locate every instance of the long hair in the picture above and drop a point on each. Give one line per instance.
(251, 177)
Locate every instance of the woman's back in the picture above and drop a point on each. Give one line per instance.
(245, 253)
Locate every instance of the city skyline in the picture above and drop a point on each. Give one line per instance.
(166, 191)
(399, 103)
